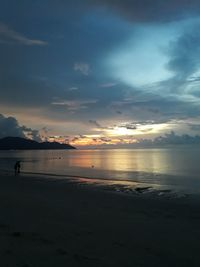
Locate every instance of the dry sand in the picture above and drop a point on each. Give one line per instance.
(49, 222)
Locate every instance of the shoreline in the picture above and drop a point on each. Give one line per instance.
(56, 222)
(120, 186)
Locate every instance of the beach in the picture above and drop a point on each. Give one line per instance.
(58, 222)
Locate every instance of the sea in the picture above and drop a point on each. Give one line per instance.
(174, 169)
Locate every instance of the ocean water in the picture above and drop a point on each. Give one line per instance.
(174, 168)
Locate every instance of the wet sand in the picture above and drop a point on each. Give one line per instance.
(53, 222)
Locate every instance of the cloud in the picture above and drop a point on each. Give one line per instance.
(101, 127)
(69, 77)
(107, 85)
(105, 139)
(132, 10)
(20, 67)
(84, 68)
(73, 105)
(28, 92)
(73, 88)
(150, 10)
(183, 53)
(9, 36)
(172, 139)
(194, 127)
(9, 126)
(129, 126)
(44, 133)
(95, 123)
(32, 134)
(182, 89)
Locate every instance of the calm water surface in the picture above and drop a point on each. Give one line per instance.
(177, 167)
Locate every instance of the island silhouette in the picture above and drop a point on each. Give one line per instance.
(18, 143)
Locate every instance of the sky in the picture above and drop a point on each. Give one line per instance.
(97, 73)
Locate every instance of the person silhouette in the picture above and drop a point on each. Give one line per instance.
(17, 167)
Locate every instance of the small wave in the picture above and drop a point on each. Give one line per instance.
(133, 181)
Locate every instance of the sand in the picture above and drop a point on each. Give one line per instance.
(53, 222)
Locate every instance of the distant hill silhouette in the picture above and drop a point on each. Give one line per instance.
(9, 143)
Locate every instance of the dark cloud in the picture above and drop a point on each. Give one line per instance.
(182, 90)
(9, 126)
(105, 139)
(133, 10)
(166, 107)
(129, 126)
(80, 35)
(37, 72)
(184, 53)
(27, 93)
(194, 127)
(172, 139)
(95, 123)
(151, 10)
(134, 125)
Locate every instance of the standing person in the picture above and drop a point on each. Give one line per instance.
(17, 167)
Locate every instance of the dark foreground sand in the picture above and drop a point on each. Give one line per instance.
(48, 222)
